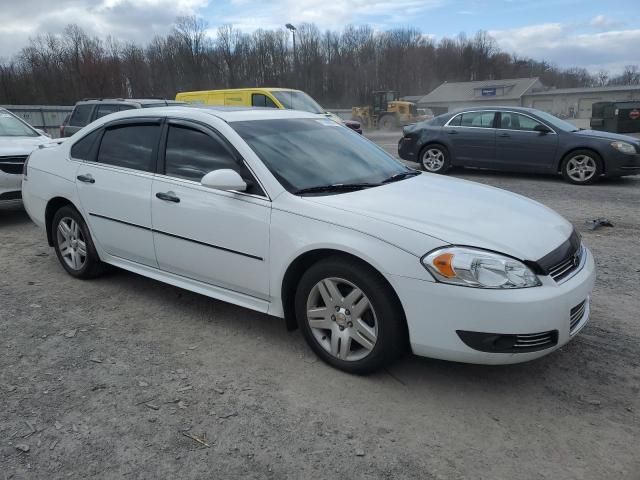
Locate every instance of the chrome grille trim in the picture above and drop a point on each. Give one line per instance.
(576, 315)
(533, 340)
(568, 267)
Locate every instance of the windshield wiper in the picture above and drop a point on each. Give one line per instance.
(401, 176)
(336, 187)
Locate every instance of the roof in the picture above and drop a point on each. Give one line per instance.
(231, 90)
(511, 89)
(141, 101)
(561, 91)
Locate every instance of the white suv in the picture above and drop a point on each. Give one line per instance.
(298, 217)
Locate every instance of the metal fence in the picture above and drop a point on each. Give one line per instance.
(45, 117)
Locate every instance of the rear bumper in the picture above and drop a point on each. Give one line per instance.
(406, 149)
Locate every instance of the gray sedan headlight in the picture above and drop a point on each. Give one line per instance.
(473, 267)
(624, 147)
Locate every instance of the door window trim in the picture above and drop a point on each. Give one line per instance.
(470, 126)
(207, 130)
(552, 132)
(495, 123)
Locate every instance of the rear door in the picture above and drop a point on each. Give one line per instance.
(114, 186)
(472, 137)
(520, 147)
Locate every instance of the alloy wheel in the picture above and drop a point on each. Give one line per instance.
(342, 319)
(71, 243)
(433, 160)
(581, 168)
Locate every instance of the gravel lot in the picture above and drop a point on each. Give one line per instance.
(114, 378)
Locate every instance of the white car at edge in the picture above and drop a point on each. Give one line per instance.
(298, 217)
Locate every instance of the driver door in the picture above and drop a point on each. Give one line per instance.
(213, 236)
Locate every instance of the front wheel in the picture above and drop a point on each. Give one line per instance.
(582, 167)
(435, 159)
(349, 316)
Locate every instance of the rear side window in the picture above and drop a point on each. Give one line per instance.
(81, 115)
(515, 121)
(260, 100)
(478, 119)
(81, 150)
(191, 154)
(106, 109)
(130, 146)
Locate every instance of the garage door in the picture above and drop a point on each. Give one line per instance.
(584, 106)
(544, 105)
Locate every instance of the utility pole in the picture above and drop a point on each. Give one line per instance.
(295, 57)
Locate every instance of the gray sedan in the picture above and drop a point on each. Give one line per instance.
(518, 139)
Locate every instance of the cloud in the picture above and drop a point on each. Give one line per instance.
(572, 45)
(605, 23)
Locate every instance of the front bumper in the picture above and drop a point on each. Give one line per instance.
(437, 312)
(10, 186)
(619, 164)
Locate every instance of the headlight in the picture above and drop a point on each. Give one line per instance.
(472, 267)
(624, 147)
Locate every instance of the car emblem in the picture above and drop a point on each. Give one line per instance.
(576, 260)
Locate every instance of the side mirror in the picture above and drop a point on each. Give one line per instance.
(224, 179)
(542, 128)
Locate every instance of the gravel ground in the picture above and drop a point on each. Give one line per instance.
(121, 376)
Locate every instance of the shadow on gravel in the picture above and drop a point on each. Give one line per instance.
(13, 215)
(470, 174)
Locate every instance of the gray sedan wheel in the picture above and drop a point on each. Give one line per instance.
(434, 159)
(582, 167)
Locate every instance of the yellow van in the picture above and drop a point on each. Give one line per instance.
(285, 98)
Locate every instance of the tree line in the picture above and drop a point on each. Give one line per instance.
(338, 68)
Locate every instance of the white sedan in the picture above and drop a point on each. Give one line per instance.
(298, 217)
(17, 140)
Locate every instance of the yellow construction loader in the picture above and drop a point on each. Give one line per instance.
(386, 112)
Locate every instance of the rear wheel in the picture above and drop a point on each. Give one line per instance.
(73, 244)
(388, 122)
(349, 316)
(435, 159)
(582, 167)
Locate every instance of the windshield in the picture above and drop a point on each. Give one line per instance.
(10, 126)
(556, 122)
(293, 100)
(306, 153)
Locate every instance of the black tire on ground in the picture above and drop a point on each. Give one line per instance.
(392, 337)
(92, 266)
(388, 122)
(435, 158)
(582, 167)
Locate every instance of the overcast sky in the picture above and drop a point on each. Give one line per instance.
(596, 34)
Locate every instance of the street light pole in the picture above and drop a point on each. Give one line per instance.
(295, 58)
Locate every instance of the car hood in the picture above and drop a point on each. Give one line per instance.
(607, 136)
(460, 212)
(20, 145)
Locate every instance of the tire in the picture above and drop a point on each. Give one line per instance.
(435, 159)
(71, 257)
(387, 123)
(582, 167)
(358, 337)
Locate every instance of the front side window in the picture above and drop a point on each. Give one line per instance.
(304, 153)
(106, 109)
(130, 146)
(191, 154)
(81, 115)
(477, 119)
(515, 121)
(81, 150)
(11, 126)
(260, 100)
(294, 100)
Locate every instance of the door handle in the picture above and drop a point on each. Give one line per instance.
(504, 135)
(168, 196)
(452, 132)
(86, 178)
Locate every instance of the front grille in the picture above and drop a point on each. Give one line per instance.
(536, 341)
(567, 266)
(13, 164)
(576, 315)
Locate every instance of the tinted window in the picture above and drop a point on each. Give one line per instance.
(515, 121)
(260, 100)
(305, 153)
(455, 121)
(81, 150)
(81, 115)
(106, 109)
(130, 146)
(192, 154)
(477, 119)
